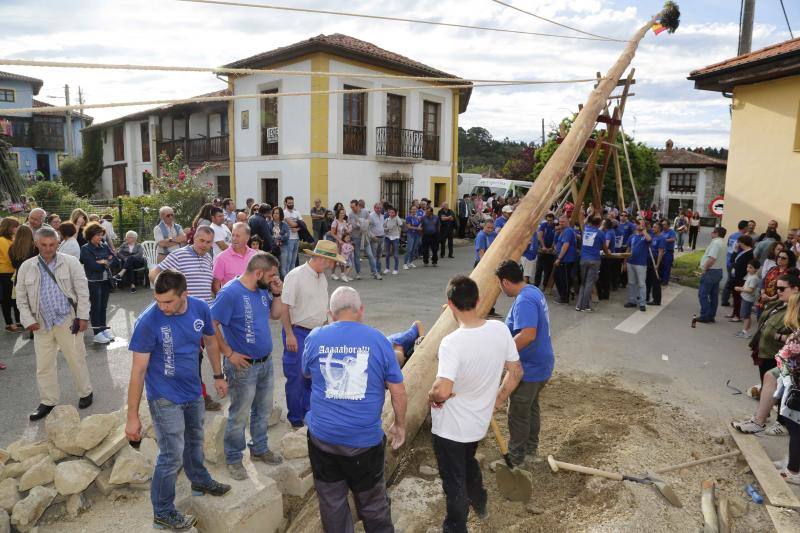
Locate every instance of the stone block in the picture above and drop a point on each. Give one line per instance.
(275, 415)
(26, 512)
(62, 428)
(73, 477)
(15, 470)
(93, 429)
(5, 522)
(247, 508)
(130, 466)
(294, 445)
(427, 470)
(413, 499)
(41, 473)
(294, 477)
(55, 453)
(102, 482)
(77, 504)
(9, 494)
(110, 445)
(149, 448)
(214, 439)
(25, 449)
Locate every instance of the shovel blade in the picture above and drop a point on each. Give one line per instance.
(665, 489)
(514, 484)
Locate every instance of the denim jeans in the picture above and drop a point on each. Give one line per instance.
(589, 272)
(373, 265)
(680, 241)
(392, 250)
(637, 284)
(357, 241)
(98, 299)
(412, 243)
(708, 293)
(179, 431)
(376, 251)
(250, 390)
(298, 387)
(289, 255)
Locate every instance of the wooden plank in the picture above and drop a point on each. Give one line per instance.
(784, 520)
(775, 488)
(605, 119)
(621, 83)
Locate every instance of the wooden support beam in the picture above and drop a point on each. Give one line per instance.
(588, 177)
(605, 119)
(618, 96)
(620, 83)
(618, 179)
(784, 520)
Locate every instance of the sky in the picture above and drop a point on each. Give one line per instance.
(169, 32)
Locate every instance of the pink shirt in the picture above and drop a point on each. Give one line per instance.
(228, 264)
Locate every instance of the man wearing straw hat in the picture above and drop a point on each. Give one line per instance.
(305, 295)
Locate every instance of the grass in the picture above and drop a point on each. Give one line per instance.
(686, 269)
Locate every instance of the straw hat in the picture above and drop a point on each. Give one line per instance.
(326, 250)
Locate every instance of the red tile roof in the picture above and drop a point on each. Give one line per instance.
(769, 52)
(678, 157)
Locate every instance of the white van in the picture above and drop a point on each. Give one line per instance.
(467, 182)
(500, 187)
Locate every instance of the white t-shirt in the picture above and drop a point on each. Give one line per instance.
(473, 359)
(221, 233)
(295, 215)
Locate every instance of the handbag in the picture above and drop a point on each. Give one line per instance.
(76, 322)
(793, 398)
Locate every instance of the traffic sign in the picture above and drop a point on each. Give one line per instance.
(717, 206)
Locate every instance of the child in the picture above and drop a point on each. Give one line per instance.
(347, 251)
(749, 296)
(256, 242)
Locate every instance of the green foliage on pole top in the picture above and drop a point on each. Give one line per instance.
(670, 16)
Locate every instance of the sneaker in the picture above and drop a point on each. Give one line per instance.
(780, 465)
(385, 270)
(269, 457)
(237, 471)
(748, 426)
(378, 276)
(790, 477)
(334, 276)
(215, 488)
(133, 289)
(642, 308)
(100, 338)
(394, 272)
(578, 309)
(358, 276)
(86, 401)
(741, 334)
(108, 334)
(174, 521)
(412, 265)
(405, 267)
(588, 310)
(776, 429)
(211, 405)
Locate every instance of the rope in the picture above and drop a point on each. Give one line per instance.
(227, 71)
(603, 37)
(395, 19)
(260, 96)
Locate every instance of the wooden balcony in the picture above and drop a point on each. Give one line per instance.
(197, 150)
(398, 142)
(354, 140)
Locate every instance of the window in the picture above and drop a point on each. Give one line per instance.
(430, 130)
(7, 95)
(269, 124)
(119, 145)
(395, 107)
(396, 188)
(682, 182)
(354, 134)
(145, 135)
(224, 186)
(146, 183)
(439, 193)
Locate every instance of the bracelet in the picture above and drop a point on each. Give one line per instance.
(219, 376)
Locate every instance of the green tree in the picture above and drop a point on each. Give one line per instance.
(82, 174)
(10, 182)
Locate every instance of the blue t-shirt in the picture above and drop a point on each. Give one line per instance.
(639, 250)
(349, 364)
(482, 242)
(413, 222)
(406, 338)
(244, 316)
(499, 223)
(732, 246)
(628, 229)
(567, 235)
(532, 249)
(548, 233)
(592, 243)
(530, 311)
(620, 239)
(656, 244)
(173, 342)
(669, 247)
(611, 240)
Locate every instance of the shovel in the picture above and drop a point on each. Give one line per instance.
(514, 484)
(648, 479)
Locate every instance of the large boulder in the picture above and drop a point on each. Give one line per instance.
(24, 449)
(130, 466)
(56, 454)
(9, 494)
(27, 512)
(62, 425)
(294, 445)
(214, 439)
(413, 500)
(5, 522)
(17, 469)
(93, 429)
(73, 477)
(149, 448)
(41, 473)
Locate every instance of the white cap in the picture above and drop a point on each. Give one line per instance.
(508, 209)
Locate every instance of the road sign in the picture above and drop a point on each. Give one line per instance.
(717, 206)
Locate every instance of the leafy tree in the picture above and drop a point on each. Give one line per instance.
(521, 166)
(82, 174)
(479, 152)
(10, 182)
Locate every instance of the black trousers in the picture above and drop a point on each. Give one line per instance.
(563, 277)
(446, 237)
(461, 481)
(544, 267)
(9, 305)
(462, 227)
(653, 284)
(615, 274)
(604, 279)
(430, 248)
(131, 264)
(693, 230)
(794, 444)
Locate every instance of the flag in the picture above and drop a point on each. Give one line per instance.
(658, 28)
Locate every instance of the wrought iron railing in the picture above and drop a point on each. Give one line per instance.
(354, 140)
(398, 142)
(430, 147)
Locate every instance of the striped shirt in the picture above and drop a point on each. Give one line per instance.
(198, 270)
(54, 306)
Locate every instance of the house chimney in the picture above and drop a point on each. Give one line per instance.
(670, 144)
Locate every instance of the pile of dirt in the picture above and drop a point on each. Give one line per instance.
(593, 421)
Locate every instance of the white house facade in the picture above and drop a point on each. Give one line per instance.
(689, 180)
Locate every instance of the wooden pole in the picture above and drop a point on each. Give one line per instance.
(420, 371)
(618, 177)
(588, 179)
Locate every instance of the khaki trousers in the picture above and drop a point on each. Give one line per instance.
(47, 343)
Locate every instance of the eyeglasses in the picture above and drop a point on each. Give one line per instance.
(781, 289)
(169, 215)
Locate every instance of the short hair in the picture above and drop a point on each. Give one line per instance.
(747, 240)
(131, 233)
(262, 261)
(67, 230)
(47, 233)
(163, 209)
(288, 198)
(215, 210)
(595, 221)
(550, 215)
(226, 201)
(108, 216)
(92, 229)
(792, 277)
(721, 231)
(204, 229)
(242, 225)
(742, 224)
(249, 201)
(7, 226)
(755, 263)
(170, 280)
(264, 209)
(509, 270)
(344, 298)
(38, 210)
(462, 292)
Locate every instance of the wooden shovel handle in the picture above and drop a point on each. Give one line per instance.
(558, 465)
(672, 468)
(501, 441)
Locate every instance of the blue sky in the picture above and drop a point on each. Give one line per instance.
(170, 32)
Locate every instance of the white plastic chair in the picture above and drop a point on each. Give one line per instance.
(150, 253)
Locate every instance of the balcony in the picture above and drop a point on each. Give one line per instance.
(354, 140)
(197, 150)
(48, 134)
(430, 147)
(398, 142)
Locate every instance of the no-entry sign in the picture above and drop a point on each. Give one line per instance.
(717, 206)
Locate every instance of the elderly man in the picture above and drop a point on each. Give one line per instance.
(53, 302)
(233, 261)
(168, 234)
(305, 295)
(376, 238)
(36, 219)
(447, 226)
(351, 365)
(194, 262)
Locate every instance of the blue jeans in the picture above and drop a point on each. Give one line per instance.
(709, 293)
(357, 241)
(393, 249)
(373, 265)
(412, 243)
(679, 241)
(179, 431)
(98, 298)
(250, 390)
(375, 247)
(289, 255)
(298, 387)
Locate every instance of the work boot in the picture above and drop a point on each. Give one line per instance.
(174, 521)
(215, 488)
(86, 401)
(211, 405)
(269, 457)
(237, 471)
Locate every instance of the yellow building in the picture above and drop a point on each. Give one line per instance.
(763, 179)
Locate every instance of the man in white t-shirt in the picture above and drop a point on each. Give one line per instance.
(292, 217)
(222, 235)
(463, 397)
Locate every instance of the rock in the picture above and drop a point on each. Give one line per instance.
(275, 415)
(493, 464)
(294, 445)
(4, 456)
(5, 522)
(294, 477)
(426, 470)
(41, 473)
(9, 494)
(55, 453)
(534, 509)
(413, 500)
(110, 445)
(17, 469)
(54, 512)
(102, 482)
(480, 458)
(130, 466)
(27, 512)
(77, 503)
(214, 439)
(25, 449)
(93, 429)
(73, 477)
(149, 448)
(62, 428)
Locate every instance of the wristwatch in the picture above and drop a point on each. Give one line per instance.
(219, 376)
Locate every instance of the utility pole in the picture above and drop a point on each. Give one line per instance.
(542, 131)
(746, 27)
(70, 143)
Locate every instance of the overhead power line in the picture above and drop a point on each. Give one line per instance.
(603, 37)
(397, 19)
(783, 7)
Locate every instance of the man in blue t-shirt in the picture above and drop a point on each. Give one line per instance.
(636, 266)
(528, 259)
(670, 237)
(500, 221)
(529, 323)
(566, 255)
(351, 365)
(592, 243)
(657, 251)
(403, 342)
(165, 342)
(546, 235)
(241, 316)
(483, 240)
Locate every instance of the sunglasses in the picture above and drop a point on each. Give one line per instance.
(781, 289)
(169, 215)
